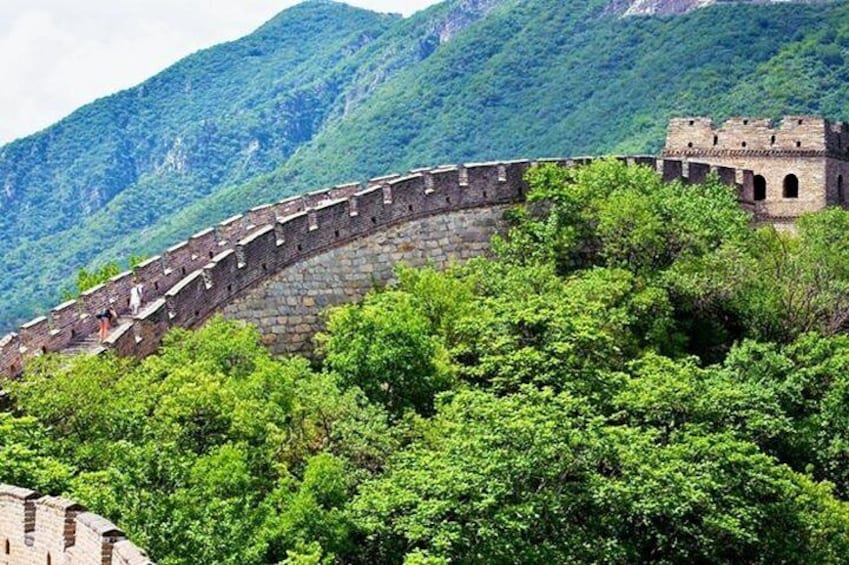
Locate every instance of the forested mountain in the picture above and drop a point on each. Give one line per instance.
(326, 93)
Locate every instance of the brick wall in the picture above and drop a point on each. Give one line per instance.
(286, 307)
(72, 320)
(40, 530)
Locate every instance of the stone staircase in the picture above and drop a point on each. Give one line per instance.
(87, 345)
(90, 345)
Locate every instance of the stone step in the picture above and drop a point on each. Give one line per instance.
(87, 348)
(90, 345)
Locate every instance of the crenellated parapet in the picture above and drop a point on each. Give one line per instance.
(793, 136)
(71, 321)
(37, 529)
(196, 278)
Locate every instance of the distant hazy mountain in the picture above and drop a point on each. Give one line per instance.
(326, 93)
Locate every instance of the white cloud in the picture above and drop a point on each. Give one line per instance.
(57, 55)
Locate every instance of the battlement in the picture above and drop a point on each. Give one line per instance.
(196, 278)
(810, 136)
(46, 529)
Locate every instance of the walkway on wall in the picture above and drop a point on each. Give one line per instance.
(90, 344)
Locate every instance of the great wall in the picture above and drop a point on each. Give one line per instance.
(217, 267)
(799, 163)
(279, 265)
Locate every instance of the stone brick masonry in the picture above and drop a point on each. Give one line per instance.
(286, 307)
(810, 149)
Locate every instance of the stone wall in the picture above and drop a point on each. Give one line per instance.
(297, 238)
(810, 172)
(45, 530)
(286, 307)
(837, 179)
(194, 279)
(68, 322)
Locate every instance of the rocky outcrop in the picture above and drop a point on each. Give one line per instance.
(669, 7)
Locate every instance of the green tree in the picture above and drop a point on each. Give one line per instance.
(26, 458)
(537, 478)
(387, 347)
(800, 282)
(491, 480)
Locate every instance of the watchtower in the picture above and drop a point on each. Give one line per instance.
(800, 164)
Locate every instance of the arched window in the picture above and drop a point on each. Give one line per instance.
(8, 548)
(760, 187)
(791, 186)
(49, 561)
(840, 196)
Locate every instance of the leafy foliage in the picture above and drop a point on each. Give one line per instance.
(599, 391)
(87, 280)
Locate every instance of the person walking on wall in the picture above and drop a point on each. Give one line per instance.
(105, 319)
(136, 296)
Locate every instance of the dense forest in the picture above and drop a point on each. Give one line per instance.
(635, 374)
(325, 93)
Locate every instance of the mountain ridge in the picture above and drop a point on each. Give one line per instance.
(325, 93)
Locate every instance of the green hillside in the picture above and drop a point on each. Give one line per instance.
(325, 93)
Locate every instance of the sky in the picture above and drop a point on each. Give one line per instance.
(56, 55)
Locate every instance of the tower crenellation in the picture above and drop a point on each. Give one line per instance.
(793, 135)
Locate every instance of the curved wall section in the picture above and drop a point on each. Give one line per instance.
(196, 278)
(36, 530)
(286, 307)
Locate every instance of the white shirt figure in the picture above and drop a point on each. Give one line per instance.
(136, 298)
